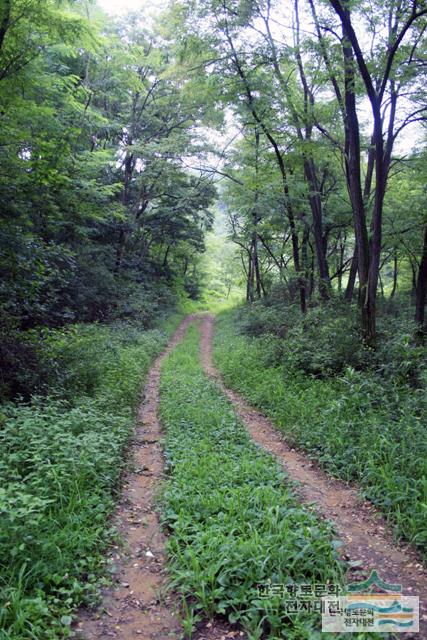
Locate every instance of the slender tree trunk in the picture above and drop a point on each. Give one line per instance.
(375, 90)
(348, 296)
(311, 285)
(258, 285)
(393, 291)
(165, 259)
(375, 245)
(282, 169)
(185, 266)
(256, 217)
(316, 211)
(250, 280)
(124, 232)
(304, 252)
(413, 281)
(355, 186)
(5, 20)
(340, 258)
(381, 285)
(421, 290)
(304, 126)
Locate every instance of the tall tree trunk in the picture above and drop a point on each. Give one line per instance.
(304, 252)
(375, 90)
(5, 20)
(279, 158)
(250, 280)
(381, 284)
(316, 211)
(354, 183)
(340, 267)
(303, 123)
(165, 259)
(256, 218)
(124, 232)
(375, 244)
(311, 285)
(258, 285)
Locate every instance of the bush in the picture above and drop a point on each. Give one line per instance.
(325, 342)
(20, 356)
(71, 358)
(399, 357)
(261, 317)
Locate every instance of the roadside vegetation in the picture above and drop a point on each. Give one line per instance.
(359, 412)
(61, 457)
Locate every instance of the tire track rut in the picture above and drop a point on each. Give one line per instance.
(366, 536)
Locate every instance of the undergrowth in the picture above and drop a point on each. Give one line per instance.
(362, 424)
(234, 521)
(61, 457)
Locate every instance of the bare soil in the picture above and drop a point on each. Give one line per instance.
(367, 538)
(136, 606)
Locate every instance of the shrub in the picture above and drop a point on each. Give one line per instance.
(324, 343)
(399, 356)
(263, 318)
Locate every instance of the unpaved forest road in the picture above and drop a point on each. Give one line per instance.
(133, 610)
(364, 532)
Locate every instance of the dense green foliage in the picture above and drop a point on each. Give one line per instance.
(100, 218)
(61, 457)
(360, 413)
(326, 179)
(234, 521)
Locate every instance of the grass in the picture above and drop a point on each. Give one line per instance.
(233, 519)
(360, 426)
(61, 457)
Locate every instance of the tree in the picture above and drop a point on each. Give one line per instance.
(394, 71)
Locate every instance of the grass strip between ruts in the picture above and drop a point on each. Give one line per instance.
(234, 521)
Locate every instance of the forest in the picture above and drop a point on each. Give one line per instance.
(213, 280)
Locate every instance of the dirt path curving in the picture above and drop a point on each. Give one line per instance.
(136, 607)
(365, 535)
